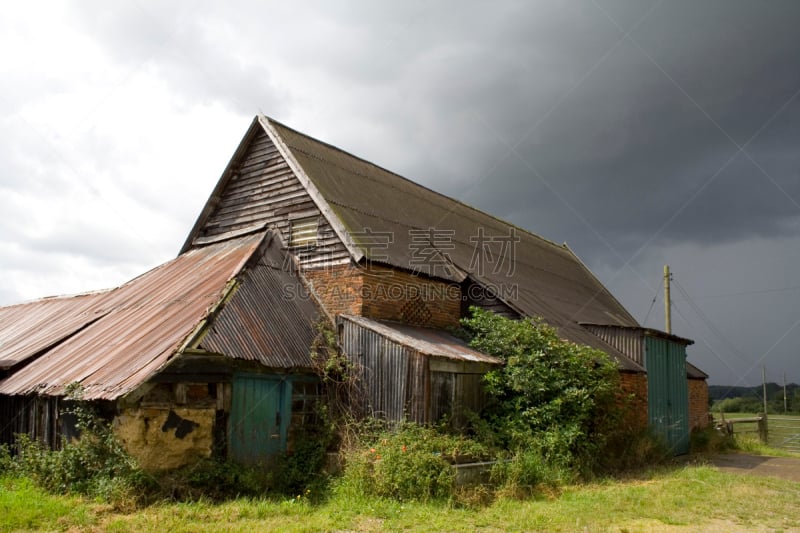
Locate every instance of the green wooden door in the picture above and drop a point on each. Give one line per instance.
(259, 420)
(668, 392)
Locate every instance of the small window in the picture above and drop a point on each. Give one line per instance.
(304, 232)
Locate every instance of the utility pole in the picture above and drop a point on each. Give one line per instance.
(764, 386)
(785, 402)
(667, 303)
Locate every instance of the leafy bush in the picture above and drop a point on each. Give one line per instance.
(554, 400)
(409, 463)
(301, 472)
(95, 465)
(710, 440)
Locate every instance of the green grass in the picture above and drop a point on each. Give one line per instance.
(780, 428)
(25, 507)
(676, 498)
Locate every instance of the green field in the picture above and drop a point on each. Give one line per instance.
(678, 498)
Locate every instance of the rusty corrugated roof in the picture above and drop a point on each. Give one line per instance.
(426, 341)
(141, 326)
(30, 328)
(271, 318)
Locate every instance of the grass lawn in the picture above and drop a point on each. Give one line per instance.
(692, 498)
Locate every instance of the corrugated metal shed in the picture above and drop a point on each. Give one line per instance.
(143, 323)
(414, 373)
(631, 342)
(426, 341)
(272, 317)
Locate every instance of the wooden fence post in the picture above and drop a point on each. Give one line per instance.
(762, 427)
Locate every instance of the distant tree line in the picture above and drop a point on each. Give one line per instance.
(730, 399)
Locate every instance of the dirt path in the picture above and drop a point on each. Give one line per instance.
(758, 465)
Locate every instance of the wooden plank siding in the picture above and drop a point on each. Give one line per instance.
(263, 191)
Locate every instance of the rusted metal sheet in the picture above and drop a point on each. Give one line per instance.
(629, 341)
(385, 367)
(397, 362)
(426, 341)
(272, 317)
(143, 324)
(28, 329)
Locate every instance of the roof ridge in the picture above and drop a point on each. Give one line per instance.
(412, 182)
(60, 297)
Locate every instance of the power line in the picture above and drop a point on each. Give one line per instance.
(653, 303)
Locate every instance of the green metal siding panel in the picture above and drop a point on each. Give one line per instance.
(260, 416)
(667, 392)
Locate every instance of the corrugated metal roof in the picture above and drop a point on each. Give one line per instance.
(358, 192)
(271, 318)
(142, 325)
(426, 341)
(30, 328)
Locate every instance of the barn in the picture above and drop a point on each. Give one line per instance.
(209, 353)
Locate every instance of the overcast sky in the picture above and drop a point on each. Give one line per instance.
(639, 132)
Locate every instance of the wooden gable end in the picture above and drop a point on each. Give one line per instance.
(260, 190)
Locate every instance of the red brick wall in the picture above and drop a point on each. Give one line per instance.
(386, 294)
(391, 294)
(698, 403)
(633, 387)
(338, 288)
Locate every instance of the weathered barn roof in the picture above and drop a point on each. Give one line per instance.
(426, 341)
(147, 321)
(363, 203)
(272, 318)
(549, 276)
(32, 327)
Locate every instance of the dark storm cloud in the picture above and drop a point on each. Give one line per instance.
(630, 147)
(545, 113)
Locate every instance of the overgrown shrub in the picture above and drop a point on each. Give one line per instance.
(409, 463)
(96, 464)
(554, 397)
(301, 472)
(710, 440)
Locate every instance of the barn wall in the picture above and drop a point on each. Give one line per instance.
(338, 288)
(386, 373)
(263, 191)
(384, 293)
(698, 403)
(38, 417)
(172, 425)
(391, 294)
(633, 386)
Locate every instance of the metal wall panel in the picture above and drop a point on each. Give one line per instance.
(386, 371)
(667, 392)
(629, 341)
